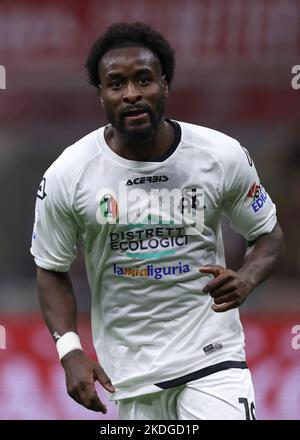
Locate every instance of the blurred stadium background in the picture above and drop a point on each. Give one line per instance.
(234, 61)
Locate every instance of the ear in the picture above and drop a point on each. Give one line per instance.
(165, 86)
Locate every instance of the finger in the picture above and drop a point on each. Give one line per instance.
(90, 399)
(226, 298)
(224, 307)
(75, 396)
(213, 270)
(95, 404)
(214, 284)
(105, 381)
(223, 290)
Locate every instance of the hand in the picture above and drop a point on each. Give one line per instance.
(81, 373)
(228, 288)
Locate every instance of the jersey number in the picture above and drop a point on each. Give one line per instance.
(250, 412)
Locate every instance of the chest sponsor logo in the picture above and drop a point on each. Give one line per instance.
(258, 195)
(149, 242)
(151, 271)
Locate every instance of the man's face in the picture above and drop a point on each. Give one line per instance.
(133, 91)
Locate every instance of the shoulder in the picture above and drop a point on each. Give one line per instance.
(75, 157)
(225, 149)
(60, 178)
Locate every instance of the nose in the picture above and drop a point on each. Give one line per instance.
(132, 94)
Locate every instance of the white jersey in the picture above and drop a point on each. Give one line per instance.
(152, 325)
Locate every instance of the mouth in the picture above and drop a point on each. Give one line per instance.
(135, 114)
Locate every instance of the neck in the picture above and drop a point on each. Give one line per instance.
(144, 151)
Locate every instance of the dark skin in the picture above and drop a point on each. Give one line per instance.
(131, 82)
(58, 304)
(133, 90)
(229, 289)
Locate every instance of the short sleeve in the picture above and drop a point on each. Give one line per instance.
(55, 231)
(246, 203)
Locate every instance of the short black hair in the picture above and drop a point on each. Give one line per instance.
(125, 35)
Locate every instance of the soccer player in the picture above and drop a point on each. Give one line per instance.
(143, 197)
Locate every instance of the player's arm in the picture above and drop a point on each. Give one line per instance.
(58, 304)
(252, 214)
(229, 288)
(53, 246)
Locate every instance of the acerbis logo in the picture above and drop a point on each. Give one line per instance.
(2, 78)
(146, 179)
(2, 338)
(259, 196)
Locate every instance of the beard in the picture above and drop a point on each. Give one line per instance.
(137, 133)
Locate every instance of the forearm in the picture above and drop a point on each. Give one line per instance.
(262, 256)
(58, 304)
(57, 300)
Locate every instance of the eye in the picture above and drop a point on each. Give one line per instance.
(144, 81)
(116, 84)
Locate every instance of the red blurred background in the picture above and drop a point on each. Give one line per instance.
(234, 73)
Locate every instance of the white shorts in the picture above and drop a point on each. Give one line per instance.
(225, 395)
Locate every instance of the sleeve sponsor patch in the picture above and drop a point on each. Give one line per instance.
(258, 195)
